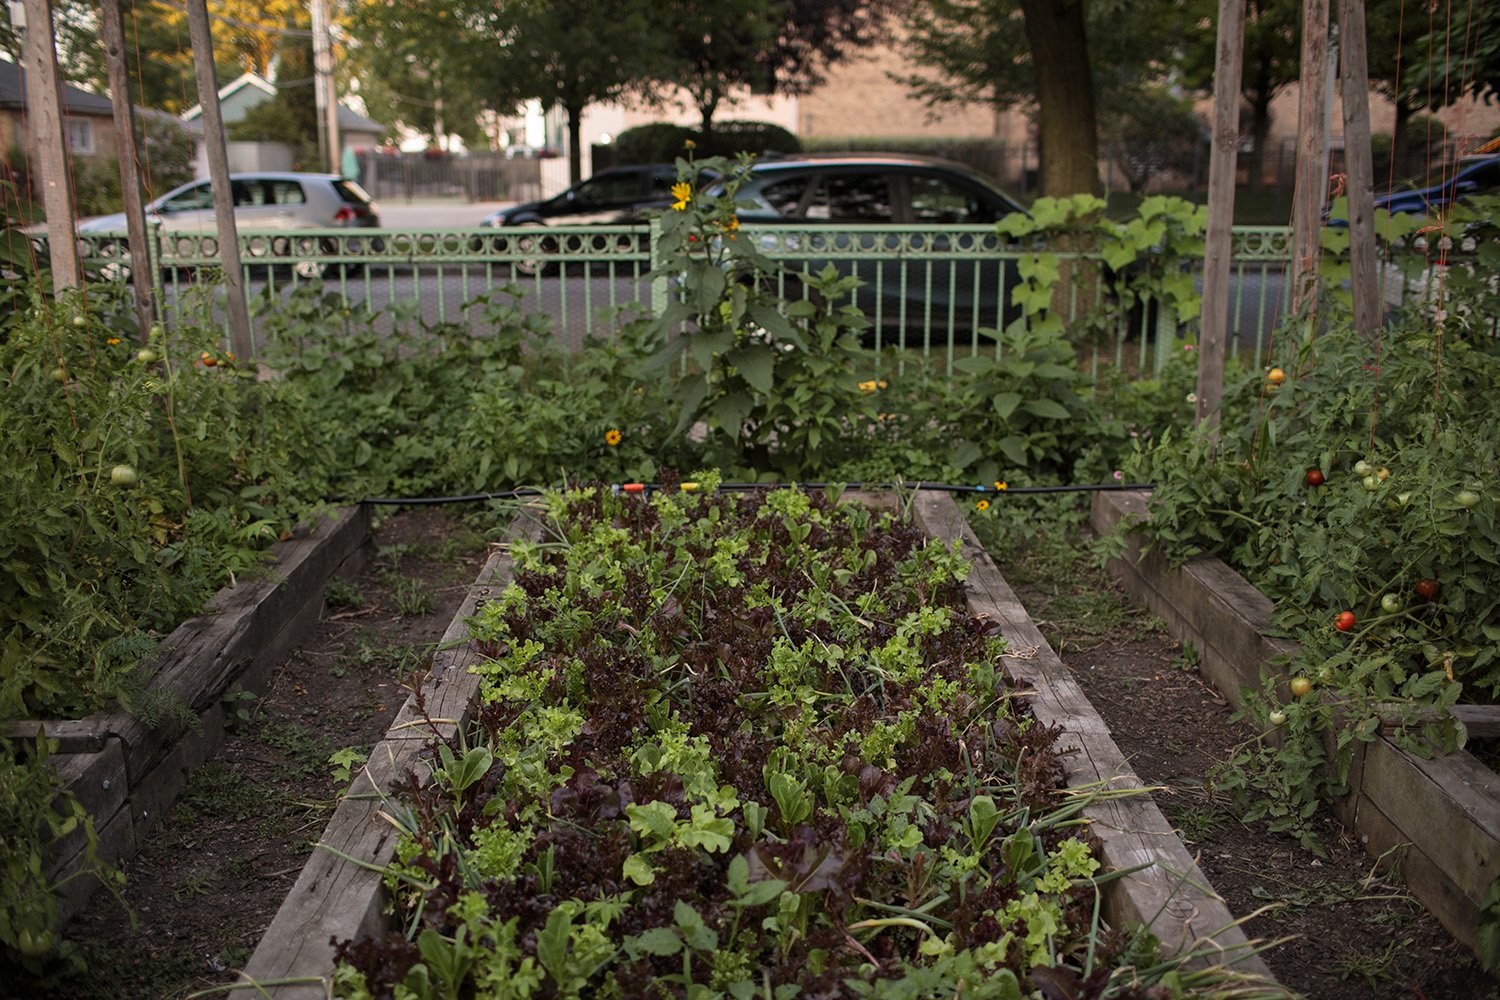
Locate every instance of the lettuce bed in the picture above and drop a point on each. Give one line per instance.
(743, 745)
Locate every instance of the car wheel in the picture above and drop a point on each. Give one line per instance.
(535, 251)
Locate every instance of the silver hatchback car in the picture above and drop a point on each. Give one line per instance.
(265, 204)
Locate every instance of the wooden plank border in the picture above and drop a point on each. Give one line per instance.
(1442, 816)
(1171, 895)
(126, 772)
(335, 897)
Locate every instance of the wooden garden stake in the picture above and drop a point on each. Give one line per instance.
(240, 339)
(130, 172)
(48, 140)
(1358, 166)
(1312, 163)
(1217, 249)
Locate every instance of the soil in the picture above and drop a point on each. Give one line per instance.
(1353, 930)
(209, 881)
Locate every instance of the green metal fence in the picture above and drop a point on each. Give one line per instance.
(925, 289)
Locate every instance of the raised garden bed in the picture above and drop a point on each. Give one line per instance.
(126, 770)
(1445, 811)
(341, 894)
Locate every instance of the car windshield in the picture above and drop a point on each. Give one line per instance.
(352, 193)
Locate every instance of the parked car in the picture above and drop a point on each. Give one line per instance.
(263, 203)
(1472, 179)
(889, 190)
(617, 196)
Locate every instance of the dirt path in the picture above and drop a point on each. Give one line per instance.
(1355, 931)
(212, 875)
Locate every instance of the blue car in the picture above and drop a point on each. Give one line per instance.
(1474, 178)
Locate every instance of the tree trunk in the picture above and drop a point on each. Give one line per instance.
(708, 104)
(1397, 169)
(575, 142)
(1260, 137)
(1066, 121)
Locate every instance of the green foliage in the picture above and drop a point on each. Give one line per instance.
(665, 788)
(133, 489)
(775, 383)
(1407, 445)
(36, 815)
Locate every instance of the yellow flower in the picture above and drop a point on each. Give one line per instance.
(881, 384)
(999, 486)
(867, 386)
(689, 144)
(982, 505)
(683, 192)
(612, 437)
(732, 225)
(112, 341)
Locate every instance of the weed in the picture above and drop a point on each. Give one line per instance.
(341, 593)
(218, 791)
(1189, 659)
(1373, 969)
(306, 752)
(1195, 822)
(413, 596)
(194, 884)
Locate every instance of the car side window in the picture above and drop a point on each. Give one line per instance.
(939, 200)
(248, 194)
(852, 198)
(609, 190)
(287, 193)
(785, 196)
(194, 199)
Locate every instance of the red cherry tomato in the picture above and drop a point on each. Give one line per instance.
(1345, 621)
(1314, 477)
(1426, 589)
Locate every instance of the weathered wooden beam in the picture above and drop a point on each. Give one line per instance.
(1312, 167)
(131, 185)
(1214, 334)
(1359, 167)
(44, 121)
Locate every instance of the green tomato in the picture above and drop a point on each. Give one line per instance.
(1371, 483)
(1363, 468)
(59, 374)
(34, 945)
(1390, 604)
(145, 355)
(1278, 718)
(80, 321)
(157, 331)
(1467, 498)
(123, 475)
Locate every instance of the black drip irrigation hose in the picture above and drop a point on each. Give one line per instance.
(687, 487)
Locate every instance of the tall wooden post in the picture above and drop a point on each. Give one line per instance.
(325, 94)
(1312, 168)
(1221, 175)
(1358, 166)
(44, 121)
(240, 340)
(130, 174)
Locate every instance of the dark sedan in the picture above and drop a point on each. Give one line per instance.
(617, 196)
(1472, 179)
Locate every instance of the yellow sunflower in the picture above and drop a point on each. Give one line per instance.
(982, 505)
(612, 437)
(683, 192)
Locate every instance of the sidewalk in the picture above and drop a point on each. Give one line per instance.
(400, 214)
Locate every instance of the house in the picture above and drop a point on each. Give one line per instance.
(88, 119)
(356, 132)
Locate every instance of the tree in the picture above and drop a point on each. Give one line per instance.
(1272, 60)
(291, 116)
(1457, 54)
(569, 54)
(1154, 132)
(1061, 55)
(421, 67)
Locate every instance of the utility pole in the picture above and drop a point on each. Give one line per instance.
(324, 92)
(1222, 164)
(45, 123)
(1312, 160)
(240, 340)
(1358, 165)
(130, 176)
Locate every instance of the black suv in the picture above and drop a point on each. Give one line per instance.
(617, 196)
(937, 284)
